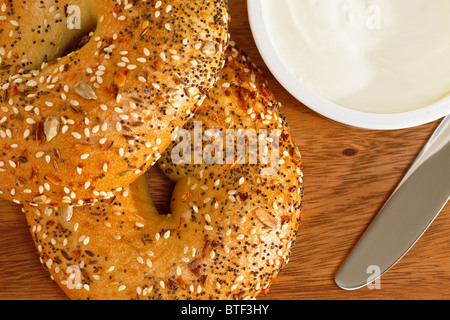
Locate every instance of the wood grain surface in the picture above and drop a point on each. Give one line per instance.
(349, 174)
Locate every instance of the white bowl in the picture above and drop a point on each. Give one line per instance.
(325, 107)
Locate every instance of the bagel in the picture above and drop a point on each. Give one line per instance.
(91, 91)
(231, 228)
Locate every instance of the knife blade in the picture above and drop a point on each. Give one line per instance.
(411, 209)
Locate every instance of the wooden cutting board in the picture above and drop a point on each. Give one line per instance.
(349, 174)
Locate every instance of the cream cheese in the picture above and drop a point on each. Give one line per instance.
(380, 56)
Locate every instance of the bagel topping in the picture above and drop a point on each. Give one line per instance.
(92, 80)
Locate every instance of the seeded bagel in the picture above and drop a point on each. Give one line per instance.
(231, 229)
(91, 91)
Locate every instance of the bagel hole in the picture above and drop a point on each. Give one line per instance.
(161, 189)
(79, 41)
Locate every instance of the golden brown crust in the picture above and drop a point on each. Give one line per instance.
(231, 229)
(76, 127)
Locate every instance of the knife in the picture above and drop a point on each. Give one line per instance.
(415, 203)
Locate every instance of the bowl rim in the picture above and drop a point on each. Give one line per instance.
(329, 109)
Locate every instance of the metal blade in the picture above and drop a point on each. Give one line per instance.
(408, 213)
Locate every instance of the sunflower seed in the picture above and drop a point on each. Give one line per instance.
(41, 200)
(266, 218)
(51, 127)
(85, 91)
(209, 48)
(67, 213)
